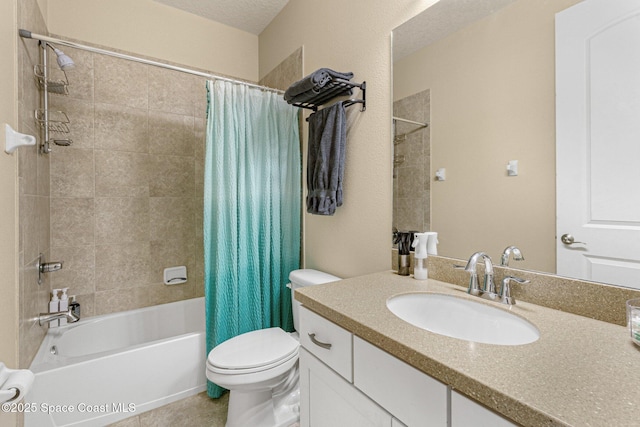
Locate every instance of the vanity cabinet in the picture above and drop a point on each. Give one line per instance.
(346, 381)
(465, 412)
(327, 400)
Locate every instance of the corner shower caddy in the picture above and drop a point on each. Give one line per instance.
(50, 80)
(332, 90)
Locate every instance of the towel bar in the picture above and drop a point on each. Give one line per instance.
(332, 90)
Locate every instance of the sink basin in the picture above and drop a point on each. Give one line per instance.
(463, 319)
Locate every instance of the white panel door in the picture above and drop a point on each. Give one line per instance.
(598, 141)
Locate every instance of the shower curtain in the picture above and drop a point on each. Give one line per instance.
(252, 196)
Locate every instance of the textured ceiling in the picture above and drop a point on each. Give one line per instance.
(248, 15)
(438, 21)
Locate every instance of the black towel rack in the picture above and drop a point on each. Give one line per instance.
(335, 88)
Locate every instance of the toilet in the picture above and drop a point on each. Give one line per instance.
(260, 368)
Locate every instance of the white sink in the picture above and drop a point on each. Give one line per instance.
(463, 319)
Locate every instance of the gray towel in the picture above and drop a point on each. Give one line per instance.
(325, 162)
(312, 85)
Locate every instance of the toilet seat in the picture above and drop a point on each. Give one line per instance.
(253, 352)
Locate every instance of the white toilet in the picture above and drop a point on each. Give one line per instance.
(260, 368)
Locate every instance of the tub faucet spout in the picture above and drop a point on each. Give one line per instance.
(72, 315)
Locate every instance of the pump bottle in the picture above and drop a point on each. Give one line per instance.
(420, 244)
(54, 307)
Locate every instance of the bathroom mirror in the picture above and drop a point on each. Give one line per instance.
(483, 172)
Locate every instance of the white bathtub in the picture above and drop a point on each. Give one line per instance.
(107, 368)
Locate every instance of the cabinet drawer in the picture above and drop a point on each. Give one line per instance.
(409, 395)
(327, 341)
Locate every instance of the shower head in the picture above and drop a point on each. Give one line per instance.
(64, 61)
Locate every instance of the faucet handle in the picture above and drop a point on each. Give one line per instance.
(474, 286)
(505, 291)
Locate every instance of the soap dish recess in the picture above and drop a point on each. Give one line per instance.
(175, 275)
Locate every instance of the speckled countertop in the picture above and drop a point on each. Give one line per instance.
(581, 372)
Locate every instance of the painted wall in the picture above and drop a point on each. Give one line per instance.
(8, 194)
(349, 36)
(145, 27)
(492, 100)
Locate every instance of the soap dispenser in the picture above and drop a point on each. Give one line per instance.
(64, 305)
(432, 244)
(54, 307)
(420, 244)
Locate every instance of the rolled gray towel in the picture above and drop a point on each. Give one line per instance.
(312, 84)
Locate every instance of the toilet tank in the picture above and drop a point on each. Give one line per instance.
(302, 278)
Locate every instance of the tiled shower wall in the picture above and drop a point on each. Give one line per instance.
(412, 164)
(33, 193)
(126, 196)
(124, 201)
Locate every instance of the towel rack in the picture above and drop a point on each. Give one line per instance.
(333, 89)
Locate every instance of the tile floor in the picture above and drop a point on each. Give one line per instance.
(195, 411)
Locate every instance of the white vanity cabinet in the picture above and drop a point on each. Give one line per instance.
(345, 381)
(327, 400)
(327, 395)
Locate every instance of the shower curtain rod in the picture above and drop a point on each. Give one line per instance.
(424, 125)
(29, 35)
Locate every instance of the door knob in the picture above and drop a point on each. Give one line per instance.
(568, 239)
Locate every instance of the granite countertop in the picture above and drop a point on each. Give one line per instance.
(580, 372)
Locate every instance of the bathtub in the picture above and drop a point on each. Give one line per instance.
(106, 368)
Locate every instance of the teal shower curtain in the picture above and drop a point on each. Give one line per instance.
(252, 196)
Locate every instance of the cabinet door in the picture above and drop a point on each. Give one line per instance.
(327, 400)
(408, 394)
(467, 413)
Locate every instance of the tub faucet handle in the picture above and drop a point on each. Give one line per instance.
(47, 267)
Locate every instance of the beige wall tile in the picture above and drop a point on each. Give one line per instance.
(159, 293)
(114, 300)
(120, 173)
(172, 218)
(121, 219)
(171, 91)
(171, 134)
(29, 226)
(72, 172)
(171, 176)
(28, 169)
(78, 271)
(73, 221)
(123, 265)
(120, 82)
(121, 128)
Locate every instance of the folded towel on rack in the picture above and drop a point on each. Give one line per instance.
(312, 85)
(325, 161)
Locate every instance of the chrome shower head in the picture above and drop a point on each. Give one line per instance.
(64, 61)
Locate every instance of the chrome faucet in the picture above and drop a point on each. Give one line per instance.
(505, 291)
(72, 315)
(488, 291)
(517, 255)
(489, 288)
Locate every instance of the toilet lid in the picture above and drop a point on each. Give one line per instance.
(256, 349)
